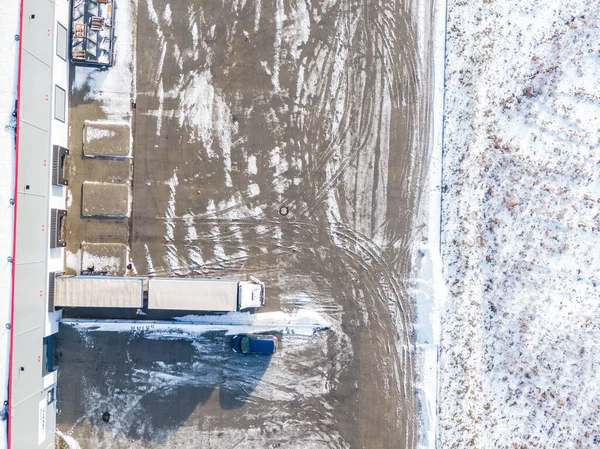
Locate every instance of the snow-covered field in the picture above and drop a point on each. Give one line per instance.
(521, 214)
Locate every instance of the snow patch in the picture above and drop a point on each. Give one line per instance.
(168, 15)
(93, 133)
(173, 182)
(279, 18)
(73, 260)
(196, 100)
(151, 271)
(112, 264)
(253, 190)
(252, 169)
(257, 10)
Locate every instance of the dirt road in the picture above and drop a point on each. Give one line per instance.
(289, 140)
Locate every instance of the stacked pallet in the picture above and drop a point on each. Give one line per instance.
(79, 30)
(97, 23)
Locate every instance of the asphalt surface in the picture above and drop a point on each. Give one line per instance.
(289, 144)
(162, 393)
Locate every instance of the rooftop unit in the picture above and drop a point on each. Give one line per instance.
(59, 154)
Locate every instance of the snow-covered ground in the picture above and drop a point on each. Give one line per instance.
(521, 214)
(9, 49)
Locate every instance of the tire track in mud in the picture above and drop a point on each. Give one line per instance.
(366, 272)
(339, 174)
(349, 121)
(384, 283)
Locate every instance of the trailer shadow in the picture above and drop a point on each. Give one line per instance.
(150, 386)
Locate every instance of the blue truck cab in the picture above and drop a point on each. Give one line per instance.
(254, 344)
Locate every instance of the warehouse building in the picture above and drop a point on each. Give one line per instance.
(39, 214)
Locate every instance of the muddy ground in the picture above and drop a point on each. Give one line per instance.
(285, 140)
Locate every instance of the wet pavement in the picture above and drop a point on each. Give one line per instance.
(161, 393)
(286, 141)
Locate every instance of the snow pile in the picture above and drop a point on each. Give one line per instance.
(68, 440)
(302, 322)
(428, 290)
(428, 294)
(521, 214)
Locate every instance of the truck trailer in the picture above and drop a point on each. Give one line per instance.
(99, 291)
(207, 295)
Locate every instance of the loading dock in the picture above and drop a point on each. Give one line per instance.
(59, 155)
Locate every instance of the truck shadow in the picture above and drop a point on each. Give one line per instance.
(150, 386)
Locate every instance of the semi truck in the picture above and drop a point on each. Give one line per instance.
(193, 294)
(204, 294)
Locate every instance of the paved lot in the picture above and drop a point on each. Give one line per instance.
(289, 144)
(180, 393)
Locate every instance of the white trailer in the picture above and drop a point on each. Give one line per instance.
(208, 295)
(98, 291)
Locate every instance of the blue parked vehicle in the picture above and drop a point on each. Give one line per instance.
(254, 344)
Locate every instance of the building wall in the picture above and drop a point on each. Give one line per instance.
(60, 132)
(9, 20)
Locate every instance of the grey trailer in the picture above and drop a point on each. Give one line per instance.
(209, 295)
(99, 291)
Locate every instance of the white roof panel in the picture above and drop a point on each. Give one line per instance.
(99, 291)
(192, 294)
